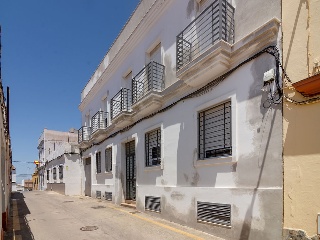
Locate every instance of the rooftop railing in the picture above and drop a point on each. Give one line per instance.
(121, 102)
(215, 23)
(99, 121)
(150, 78)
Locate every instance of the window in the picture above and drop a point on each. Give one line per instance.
(215, 131)
(108, 159)
(155, 54)
(127, 80)
(48, 175)
(61, 172)
(54, 173)
(153, 147)
(98, 162)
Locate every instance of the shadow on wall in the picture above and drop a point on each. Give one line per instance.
(294, 31)
(19, 210)
(302, 134)
(246, 227)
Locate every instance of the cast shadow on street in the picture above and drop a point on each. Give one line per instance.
(18, 224)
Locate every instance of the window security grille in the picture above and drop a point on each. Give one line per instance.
(153, 147)
(61, 172)
(108, 196)
(98, 194)
(54, 173)
(98, 162)
(214, 213)
(48, 175)
(153, 203)
(215, 131)
(108, 159)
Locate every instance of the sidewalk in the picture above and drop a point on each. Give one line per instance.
(18, 228)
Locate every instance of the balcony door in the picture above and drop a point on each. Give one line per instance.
(151, 70)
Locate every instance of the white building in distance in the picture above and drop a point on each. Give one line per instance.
(60, 165)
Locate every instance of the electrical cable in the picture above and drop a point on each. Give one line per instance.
(273, 97)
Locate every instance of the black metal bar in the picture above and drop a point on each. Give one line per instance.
(211, 25)
(120, 102)
(150, 78)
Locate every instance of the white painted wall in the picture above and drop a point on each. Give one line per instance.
(72, 173)
(51, 145)
(251, 180)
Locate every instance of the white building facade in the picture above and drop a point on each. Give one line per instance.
(60, 167)
(174, 119)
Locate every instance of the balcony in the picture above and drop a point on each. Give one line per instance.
(204, 46)
(146, 88)
(121, 108)
(99, 122)
(84, 134)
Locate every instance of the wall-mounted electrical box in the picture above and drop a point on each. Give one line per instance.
(269, 76)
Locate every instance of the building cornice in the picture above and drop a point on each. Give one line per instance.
(139, 32)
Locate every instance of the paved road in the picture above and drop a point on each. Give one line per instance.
(50, 216)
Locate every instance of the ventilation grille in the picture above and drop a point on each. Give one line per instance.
(214, 213)
(108, 196)
(98, 194)
(153, 203)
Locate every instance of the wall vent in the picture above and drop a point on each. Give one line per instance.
(153, 203)
(214, 213)
(98, 194)
(108, 196)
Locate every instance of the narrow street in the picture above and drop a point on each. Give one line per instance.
(48, 215)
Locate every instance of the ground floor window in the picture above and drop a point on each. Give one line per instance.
(61, 172)
(54, 173)
(153, 147)
(108, 159)
(98, 162)
(215, 131)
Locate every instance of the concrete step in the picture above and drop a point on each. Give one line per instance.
(129, 205)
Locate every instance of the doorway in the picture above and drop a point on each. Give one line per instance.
(87, 173)
(130, 171)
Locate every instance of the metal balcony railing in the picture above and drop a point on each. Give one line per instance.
(215, 23)
(121, 102)
(99, 121)
(150, 78)
(84, 134)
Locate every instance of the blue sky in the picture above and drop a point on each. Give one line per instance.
(50, 48)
